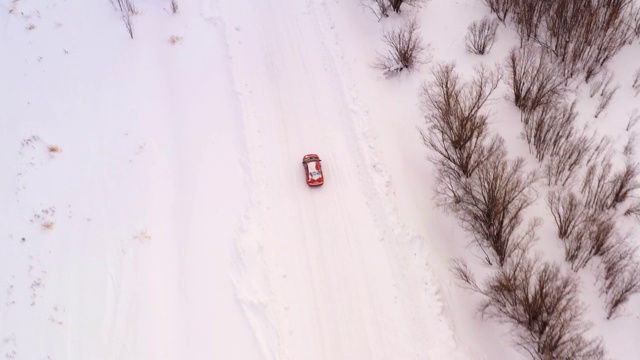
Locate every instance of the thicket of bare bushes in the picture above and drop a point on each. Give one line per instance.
(533, 78)
(405, 51)
(481, 35)
(476, 181)
(127, 10)
(582, 34)
(540, 303)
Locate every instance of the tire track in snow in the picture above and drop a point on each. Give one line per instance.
(441, 337)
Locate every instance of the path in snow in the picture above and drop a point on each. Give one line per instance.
(323, 277)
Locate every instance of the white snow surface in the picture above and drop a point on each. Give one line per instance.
(153, 204)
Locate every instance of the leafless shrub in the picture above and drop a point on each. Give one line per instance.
(490, 205)
(633, 209)
(605, 78)
(567, 212)
(380, 8)
(541, 304)
(604, 189)
(634, 20)
(624, 183)
(127, 9)
(500, 7)
(456, 130)
(568, 157)
(621, 278)
(528, 17)
(533, 78)
(634, 118)
(630, 146)
(606, 95)
(591, 239)
(585, 233)
(636, 82)
(481, 36)
(595, 186)
(396, 4)
(547, 126)
(405, 49)
(175, 39)
(174, 6)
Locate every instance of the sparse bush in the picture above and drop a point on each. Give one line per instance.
(621, 277)
(568, 157)
(547, 127)
(541, 304)
(636, 82)
(380, 8)
(634, 118)
(405, 49)
(481, 36)
(606, 95)
(592, 238)
(457, 131)
(174, 6)
(490, 204)
(396, 4)
(127, 9)
(567, 212)
(605, 78)
(533, 78)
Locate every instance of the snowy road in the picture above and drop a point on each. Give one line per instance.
(334, 287)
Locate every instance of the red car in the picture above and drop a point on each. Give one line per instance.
(313, 169)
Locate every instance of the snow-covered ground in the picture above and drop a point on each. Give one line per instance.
(153, 204)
